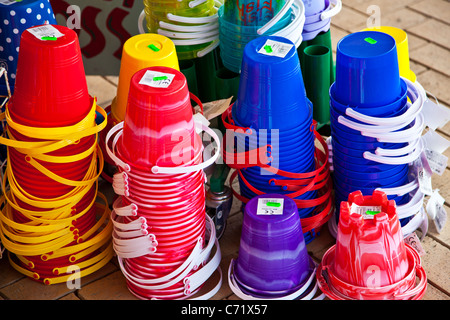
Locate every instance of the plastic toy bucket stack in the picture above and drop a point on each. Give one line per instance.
(51, 220)
(162, 236)
(370, 260)
(191, 24)
(139, 52)
(15, 17)
(240, 22)
(376, 124)
(272, 133)
(273, 262)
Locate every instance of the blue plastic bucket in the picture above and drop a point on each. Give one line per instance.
(271, 90)
(347, 178)
(367, 73)
(369, 173)
(389, 110)
(347, 140)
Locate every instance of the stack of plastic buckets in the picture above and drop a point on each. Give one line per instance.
(375, 131)
(139, 52)
(162, 236)
(316, 55)
(242, 21)
(271, 111)
(370, 260)
(191, 24)
(273, 262)
(51, 221)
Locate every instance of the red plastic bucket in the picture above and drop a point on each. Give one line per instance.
(159, 126)
(50, 88)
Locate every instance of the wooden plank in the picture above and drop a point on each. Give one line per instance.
(432, 56)
(437, 9)
(102, 89)
(436, 262)
(433, 30)
(8, 274)
(112, 287)
(28, 289)
(437, 84)
(386, 6)
(402, 19)
(434, 293)
(348, 19)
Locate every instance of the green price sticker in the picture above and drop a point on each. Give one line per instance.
(153, 47)
(370, 40)
(49, 38)
(273, 204)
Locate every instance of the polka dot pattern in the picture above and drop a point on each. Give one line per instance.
(15, 20)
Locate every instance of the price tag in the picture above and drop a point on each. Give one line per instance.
(46, 32)
(437, 161)
(423, 173)
(436, 210)
(441, 218)
(157, 79)
(434, 141)
(268, 206)
(414, 241)
(367, 212)
(435, 115)
(275, 48)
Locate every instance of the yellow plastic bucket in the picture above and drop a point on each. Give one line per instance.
(401, 40)
(139, 52)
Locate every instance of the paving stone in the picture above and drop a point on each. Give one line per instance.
(432, 56)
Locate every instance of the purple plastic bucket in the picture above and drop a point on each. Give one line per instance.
(272, 253)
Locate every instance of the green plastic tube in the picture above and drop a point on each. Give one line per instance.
(227, 84)
(317, 77)
(205, 68)
(187, 67)
(322, 39)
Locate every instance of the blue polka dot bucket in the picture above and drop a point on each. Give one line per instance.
(15, 17)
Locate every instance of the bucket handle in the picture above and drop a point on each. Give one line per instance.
(337, 6)
(238, 292)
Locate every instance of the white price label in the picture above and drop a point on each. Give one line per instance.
(275, 48)
(441, 218)
(367, 212)
(424, 182)
(46, 32)
(437, 161)
(435, 115)
(436, 210)
(157, 79)
(267, 206)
